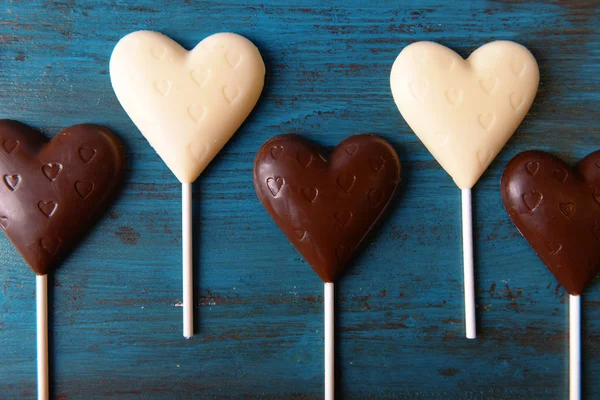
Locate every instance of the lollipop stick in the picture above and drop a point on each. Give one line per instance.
(42, 335)
(329, 337)
(575, 346)
(186, 233)
(467, 226)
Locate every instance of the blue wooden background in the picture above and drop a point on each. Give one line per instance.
(115, 319)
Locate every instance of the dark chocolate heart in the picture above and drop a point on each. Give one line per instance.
(326, 208)
(52, 192)
(557, 210)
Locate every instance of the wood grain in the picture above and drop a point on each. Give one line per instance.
(115, 319)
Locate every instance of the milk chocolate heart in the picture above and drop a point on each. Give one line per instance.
(52, 192)
(557, 210)
(326, 207)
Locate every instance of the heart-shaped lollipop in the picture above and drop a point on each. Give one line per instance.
(464, 111)
(52, 192)
(557, 210)
(187, 104)
(326, 207)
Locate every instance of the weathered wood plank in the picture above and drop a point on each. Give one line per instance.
(114, 315)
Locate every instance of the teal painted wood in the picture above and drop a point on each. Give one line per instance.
(115, 320)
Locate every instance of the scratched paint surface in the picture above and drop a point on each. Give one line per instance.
(115, 319)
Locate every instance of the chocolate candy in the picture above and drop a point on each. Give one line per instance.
(326, 207)
(557, 210)
(51, 193)
(464, 110)
(187, 104)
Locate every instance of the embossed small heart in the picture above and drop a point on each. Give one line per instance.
(326, 207)
(51, 170)
(53, 192)
(187, 104)
(557, 209)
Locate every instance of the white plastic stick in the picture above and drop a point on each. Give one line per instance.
(575, 347)
(469, 282)
(186, 234)
(42, 335)
(329, 346)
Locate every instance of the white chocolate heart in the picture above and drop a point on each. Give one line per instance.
(187, 104)
(464, 111)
